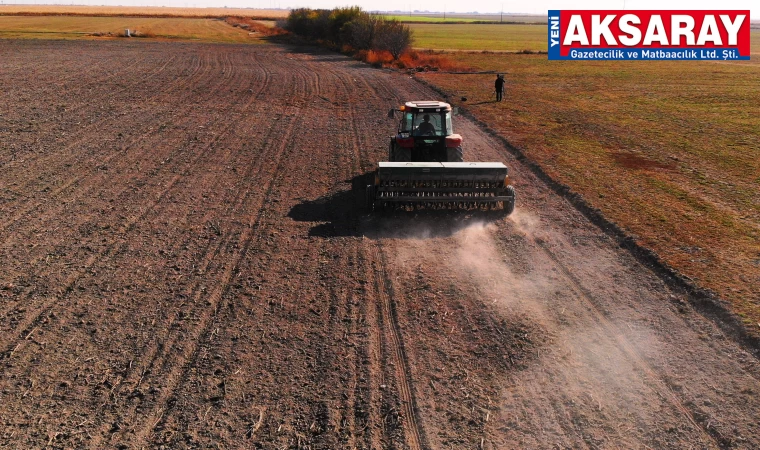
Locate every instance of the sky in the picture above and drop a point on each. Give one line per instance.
(482, 6)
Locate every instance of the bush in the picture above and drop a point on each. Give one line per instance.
(378, 58)
(351, 27)
(367, 37)
(424, 61)
(309, 23)
(393, 37)
(361, 31)
(338, 19)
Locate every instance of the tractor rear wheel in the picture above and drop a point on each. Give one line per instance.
(509, 206)
(400, 154)
(455, 154)
(362, 187)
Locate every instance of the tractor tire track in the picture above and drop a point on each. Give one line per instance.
(390, 338)
(324, 362)
(158, 355)
(321, 409)
(365, 394)
(353, 405)
(373, 348)
(393, 345)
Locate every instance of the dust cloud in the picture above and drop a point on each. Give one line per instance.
(588, 360)
(479, 259)
(468, 250)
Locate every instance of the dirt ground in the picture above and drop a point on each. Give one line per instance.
(182, 267)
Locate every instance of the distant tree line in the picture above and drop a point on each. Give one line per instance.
(351, 27)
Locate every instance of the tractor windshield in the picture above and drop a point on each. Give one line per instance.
(427, 123)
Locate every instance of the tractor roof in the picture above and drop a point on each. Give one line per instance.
(427, 105)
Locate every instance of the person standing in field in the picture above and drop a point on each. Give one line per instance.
(499, 85)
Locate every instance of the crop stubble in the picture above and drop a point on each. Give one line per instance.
(183, 266)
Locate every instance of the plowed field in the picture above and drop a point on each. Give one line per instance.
(181, 265)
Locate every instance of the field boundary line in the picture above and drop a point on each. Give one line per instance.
(52, 13)
(704, 301)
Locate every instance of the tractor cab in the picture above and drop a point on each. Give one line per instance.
(425, 134)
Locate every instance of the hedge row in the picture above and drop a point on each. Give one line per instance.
(352, 27)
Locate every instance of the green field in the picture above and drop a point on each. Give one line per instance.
(82, 27)
(417, 19)
(466, 18)
(668, 150)
(477, 37)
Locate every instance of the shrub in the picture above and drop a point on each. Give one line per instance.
(393, 37)
(351, 27)
(309, 23)
(338, 19)
(379, 58)
(361, 31)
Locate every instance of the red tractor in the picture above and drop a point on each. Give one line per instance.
(426, 167)
(425, 134)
